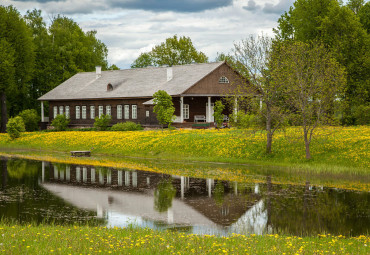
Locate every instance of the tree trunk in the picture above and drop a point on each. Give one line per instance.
(307, 145)
(4, 118)
(269, 134)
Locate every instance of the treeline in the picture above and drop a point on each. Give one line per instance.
(343, 30)
(35, 58)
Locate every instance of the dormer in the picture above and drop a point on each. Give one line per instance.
(109, 87)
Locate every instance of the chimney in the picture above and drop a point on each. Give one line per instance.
(98, 71)
(169, 74)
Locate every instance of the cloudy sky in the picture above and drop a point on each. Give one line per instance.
(129, 27)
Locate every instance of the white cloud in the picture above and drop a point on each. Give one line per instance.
(129, 32)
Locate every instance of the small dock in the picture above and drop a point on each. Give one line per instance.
(80, 153)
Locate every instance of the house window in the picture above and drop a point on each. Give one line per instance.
(223, 80)
(127, 112)
(134, 111)
(147, 114)
(55, 111)
(100, 110)
(77, 112)
(61, 110)
(67, 111)
(185, 111)
(108, 110)
(119, 112)
(84, 112)
(92, 112)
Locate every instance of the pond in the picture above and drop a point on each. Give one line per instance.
(44, 192)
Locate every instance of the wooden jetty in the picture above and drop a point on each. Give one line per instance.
(80, 153)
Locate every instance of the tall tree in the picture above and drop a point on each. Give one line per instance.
(17, 56)
(341, 32)
(355, 5)
(312, 81)
(364, 15)
(254, 54)
(174, 51)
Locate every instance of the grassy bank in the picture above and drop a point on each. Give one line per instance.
(220, 171)
(335, 148)
(91, 240)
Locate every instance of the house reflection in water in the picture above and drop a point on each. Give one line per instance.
(160, 201)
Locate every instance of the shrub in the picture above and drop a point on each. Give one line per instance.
(14, 127)
(60, 122)
(126, 126)
(101, 123)
(243, 120)
(362, 115)
(31, 119)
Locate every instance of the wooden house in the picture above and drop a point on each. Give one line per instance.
(126, 95)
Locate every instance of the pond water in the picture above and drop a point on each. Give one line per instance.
(44, 192)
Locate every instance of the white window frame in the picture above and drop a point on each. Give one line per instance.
(134, 111)
(92, 112)
(61, 110)
(108, 110)
(78, 112)
(127, 111)
(223, 80)
(67, 111)
(83, 110)
(55, 111)
(186, 111)
(101, 110)
(119, 112)
(147, 113)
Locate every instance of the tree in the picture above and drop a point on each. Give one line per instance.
(16, 61)
(163, 107)
(341, 31)
(219, 117)
(312, 80)
(254, 53)
(364, 15)
(30, 119)
(355, 5)
(14, 127)
(174, 51)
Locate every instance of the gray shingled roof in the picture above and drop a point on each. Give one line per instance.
(139, 82)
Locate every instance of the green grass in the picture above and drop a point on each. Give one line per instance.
(43, 239)
(334, 149)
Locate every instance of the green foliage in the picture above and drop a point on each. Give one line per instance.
(60, 122)
(14, 127)
(16, 59)
(361, 114)
(163, 195)
(342, 32)
(31, 119)
(174, 51)
(126, 126)
(218, 109)
(163, 107)
(246, 121)
(101, 123)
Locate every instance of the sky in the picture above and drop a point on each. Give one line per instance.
(130, 27)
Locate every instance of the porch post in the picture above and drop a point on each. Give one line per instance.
(235, 108)
(209, 110)
(181, 109)
(42, 112)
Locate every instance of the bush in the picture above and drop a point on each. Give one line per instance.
(126, 126)
(14, 127)
(362, 114)
(101, 123)
(60, 122)
(243, 120)
(31, 119)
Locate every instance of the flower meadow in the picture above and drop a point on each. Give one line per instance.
(44, 239)
(333, 147)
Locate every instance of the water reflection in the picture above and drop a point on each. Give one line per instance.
(42, 191)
